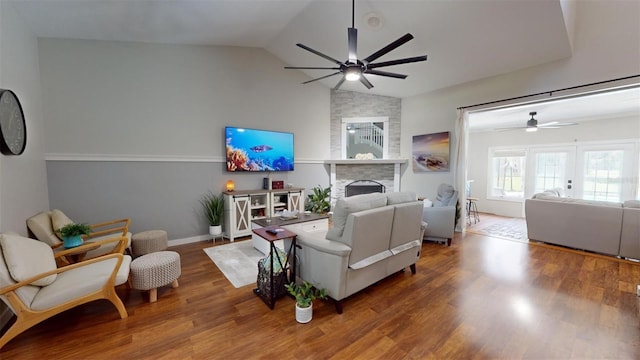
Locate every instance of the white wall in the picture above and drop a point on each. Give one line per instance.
(23, 184)
(607, 46)
(591, 131)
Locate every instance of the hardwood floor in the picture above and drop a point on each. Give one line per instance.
(481, 298)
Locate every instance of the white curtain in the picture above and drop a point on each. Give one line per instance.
(460, 177)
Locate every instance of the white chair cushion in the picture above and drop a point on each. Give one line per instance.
(58, 220)
(40, 226)
(73, 284)
(26, 258)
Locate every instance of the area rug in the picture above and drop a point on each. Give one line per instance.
(511, 229)
(238, 261)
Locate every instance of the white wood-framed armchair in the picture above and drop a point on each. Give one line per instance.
(35, 289)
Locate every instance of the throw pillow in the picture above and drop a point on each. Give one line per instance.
(26, 258)
(40, 226)
(349, 205)
(445, 193)
(58, 220)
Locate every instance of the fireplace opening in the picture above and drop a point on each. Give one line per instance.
(363, 187)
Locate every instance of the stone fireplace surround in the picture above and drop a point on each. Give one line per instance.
(384, 171)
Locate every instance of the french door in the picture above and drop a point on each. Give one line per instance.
(592, 172)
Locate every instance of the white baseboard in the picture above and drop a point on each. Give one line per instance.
(189, 240)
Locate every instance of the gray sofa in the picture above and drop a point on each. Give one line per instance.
(373, 236)
(610, 228)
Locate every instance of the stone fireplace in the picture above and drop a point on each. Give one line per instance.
(383, 171)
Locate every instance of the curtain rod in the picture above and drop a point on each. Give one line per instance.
(549, 92)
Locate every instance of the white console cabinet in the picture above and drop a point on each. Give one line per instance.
(243, 206)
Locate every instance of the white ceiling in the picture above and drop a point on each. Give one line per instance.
(601, 106)
(465, 40)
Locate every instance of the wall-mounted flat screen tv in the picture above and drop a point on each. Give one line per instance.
(258, 150)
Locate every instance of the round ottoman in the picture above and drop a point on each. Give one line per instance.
(148, 241)
(150, 271)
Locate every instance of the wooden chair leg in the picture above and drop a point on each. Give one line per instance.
(153, 295)
(175, 284)
(413, 268)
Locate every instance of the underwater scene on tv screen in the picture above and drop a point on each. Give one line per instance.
(258, 150)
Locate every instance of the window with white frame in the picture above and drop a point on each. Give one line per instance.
(507, 173)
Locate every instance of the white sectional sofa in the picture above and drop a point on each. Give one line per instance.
(373, 236)
(610, 228)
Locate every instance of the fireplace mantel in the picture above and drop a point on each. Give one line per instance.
(366, 162)
(388, 166)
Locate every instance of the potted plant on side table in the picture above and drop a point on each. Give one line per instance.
(305, 293)
(213, 210)
(72, 234)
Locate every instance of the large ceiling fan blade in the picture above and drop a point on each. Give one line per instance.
(322, 77)
(398, 62)
(339, 84)
(365, 82)
(555, 125)
(353, 45)
(319, 53)
(385, 73)
(388, 48)
(311, 68)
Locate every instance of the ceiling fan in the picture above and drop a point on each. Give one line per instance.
(353, 68)
(532, 124)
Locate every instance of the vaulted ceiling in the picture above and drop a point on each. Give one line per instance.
(465, 40)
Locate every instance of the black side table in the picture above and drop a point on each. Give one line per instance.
(289, 268)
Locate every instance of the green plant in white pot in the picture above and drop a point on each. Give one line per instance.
(213, 210)
(72, 234)
(305, 293)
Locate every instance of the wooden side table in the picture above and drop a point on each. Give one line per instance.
(290, 265)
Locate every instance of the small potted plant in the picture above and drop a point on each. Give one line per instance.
(72, 234)
(213, 210)
(305, 293)
(318, 201)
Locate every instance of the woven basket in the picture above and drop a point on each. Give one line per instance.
(264, 281)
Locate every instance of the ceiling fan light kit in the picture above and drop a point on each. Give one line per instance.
(354, 69)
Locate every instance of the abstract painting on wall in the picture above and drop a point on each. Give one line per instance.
(431, 152)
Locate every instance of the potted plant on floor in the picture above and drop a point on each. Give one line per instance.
(305, 293)
(318, 200)
(213, 210)
(72, 234)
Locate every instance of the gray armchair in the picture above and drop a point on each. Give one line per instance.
(441, 217)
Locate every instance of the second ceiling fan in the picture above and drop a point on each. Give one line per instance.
(353, 68)
(532, 124)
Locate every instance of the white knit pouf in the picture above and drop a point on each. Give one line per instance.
(149, 241)
(150, 271)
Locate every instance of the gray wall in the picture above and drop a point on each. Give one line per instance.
(137, 130)
(154, 195)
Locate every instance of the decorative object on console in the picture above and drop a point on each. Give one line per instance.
(305, 293)
(72, 234)
(277, 184)
(354, 69)
(13, 129)
(258, 150)
(213, 210)
(431, 152)
(230, 185)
